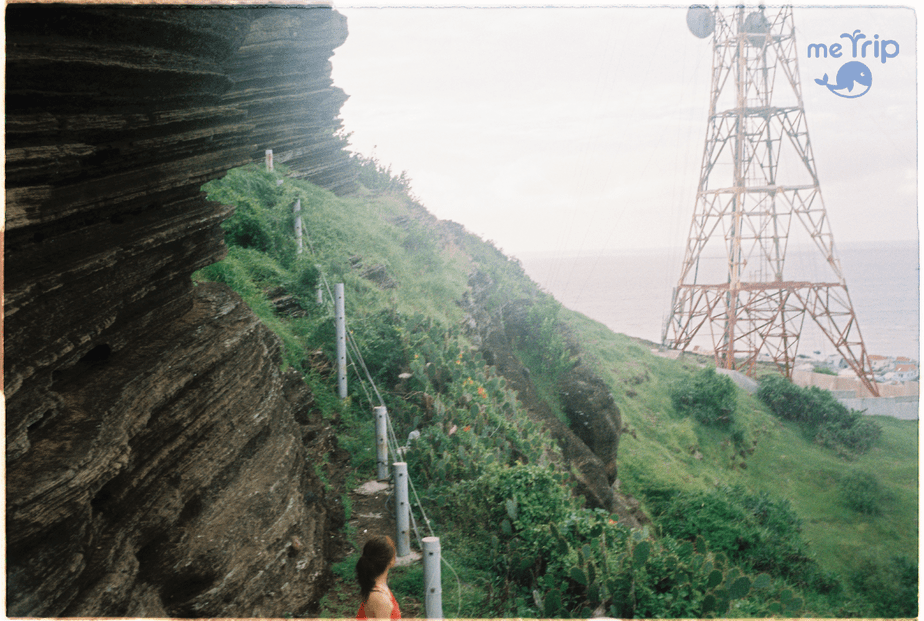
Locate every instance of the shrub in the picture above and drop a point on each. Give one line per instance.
(539, 335)
(756, 531)
(306, 281)
(852, 434)
(708, 397)
(862, 492)
(262, 219)
(822, 417)
(891, 586)
(802, 405)
(523, 496)
(376, 176)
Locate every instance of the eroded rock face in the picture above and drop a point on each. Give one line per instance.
(171, 480)
(590, 440)
(155, 455)
(592, 415)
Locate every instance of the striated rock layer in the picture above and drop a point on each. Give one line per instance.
(156, 463)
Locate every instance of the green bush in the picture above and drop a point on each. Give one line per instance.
(306, 281)
(891, 587)
(862, 492)
(822, 417)
(539, 337)
(756, 531)
(850, 434)
(374, 175)
(263, 217)
(710, 398)
(592, 561)
(515, 498)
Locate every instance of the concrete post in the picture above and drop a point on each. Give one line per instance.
(402, 509)
(298, 224)
(433, 597)
(340, 314)
(381, 445)
(269, 160)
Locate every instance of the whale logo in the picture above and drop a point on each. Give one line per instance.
(848, 76)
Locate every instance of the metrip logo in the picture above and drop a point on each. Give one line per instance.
(853, 72)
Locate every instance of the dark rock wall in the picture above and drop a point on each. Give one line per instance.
(155, 459)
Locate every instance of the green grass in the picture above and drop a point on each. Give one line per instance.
(785, 463)
(429, 263)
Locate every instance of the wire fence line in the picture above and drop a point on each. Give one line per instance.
(355, 360)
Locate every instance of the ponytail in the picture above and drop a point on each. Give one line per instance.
(377, 555)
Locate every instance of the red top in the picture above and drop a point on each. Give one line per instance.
(395, 611)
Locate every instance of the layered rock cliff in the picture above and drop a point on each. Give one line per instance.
(155, 455)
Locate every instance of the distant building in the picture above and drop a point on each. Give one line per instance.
(906, 372)
(879, 363)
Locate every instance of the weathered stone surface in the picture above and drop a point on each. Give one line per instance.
(157, 458)
(175, 469)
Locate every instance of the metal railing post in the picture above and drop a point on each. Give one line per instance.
(381, 445)
(340, 313)
(433, 597)
(402, 509)
(298, 224)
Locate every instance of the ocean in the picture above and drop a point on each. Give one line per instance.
(630, 291)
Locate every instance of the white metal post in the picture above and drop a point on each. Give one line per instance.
(341, 340)
(402, 509)
(320, 291)
(381, 446)
(298, 224)
(433, 598)
(269, 160)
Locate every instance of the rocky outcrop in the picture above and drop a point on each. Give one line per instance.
(590, 440)
(155, 458)
(592, 415)
(297, 95)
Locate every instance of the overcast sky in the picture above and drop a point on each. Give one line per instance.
(569, 130)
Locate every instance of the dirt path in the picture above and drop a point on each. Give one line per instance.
(372, 513)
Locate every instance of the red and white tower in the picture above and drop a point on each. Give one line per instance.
(758, 190)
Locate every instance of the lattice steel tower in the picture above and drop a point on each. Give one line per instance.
(758, 175)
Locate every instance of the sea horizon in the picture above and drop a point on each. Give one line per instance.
(629, 290)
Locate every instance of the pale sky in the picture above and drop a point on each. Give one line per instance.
(576, 130)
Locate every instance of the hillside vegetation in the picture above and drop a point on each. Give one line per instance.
(749, 515)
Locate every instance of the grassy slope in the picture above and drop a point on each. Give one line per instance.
(430, 262)
(784, 463)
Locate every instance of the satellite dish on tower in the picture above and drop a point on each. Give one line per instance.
(757, 27)
(700, 20)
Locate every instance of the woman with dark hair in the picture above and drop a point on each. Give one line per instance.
(378, 602)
